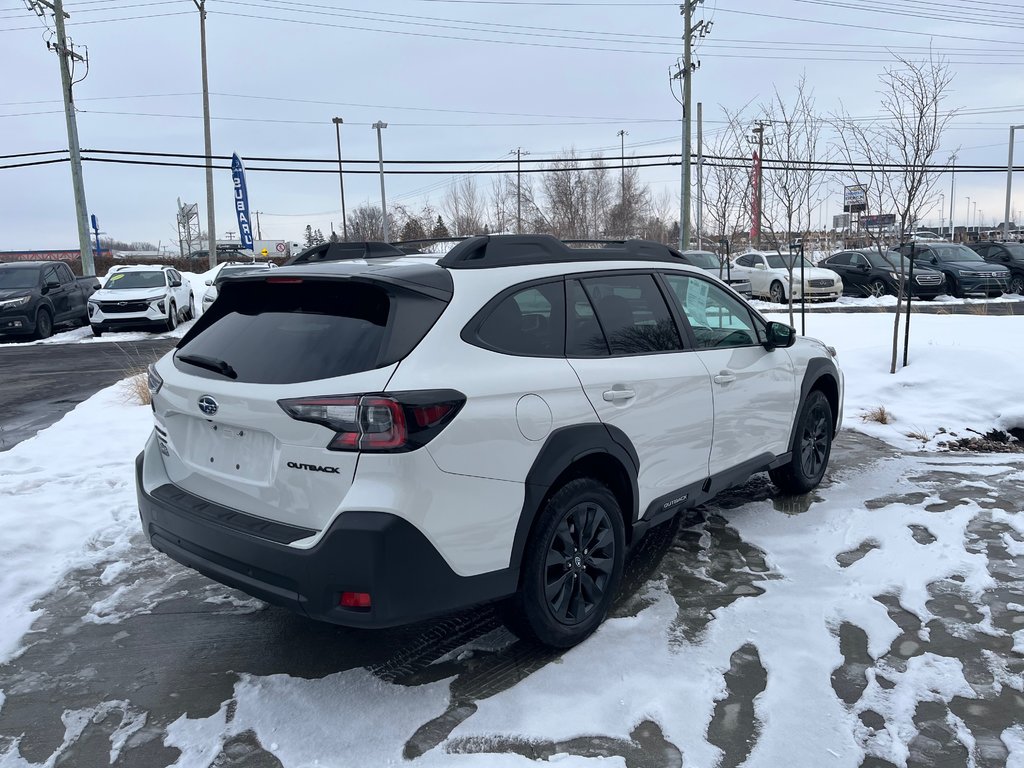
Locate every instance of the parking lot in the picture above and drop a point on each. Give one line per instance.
(876, 621)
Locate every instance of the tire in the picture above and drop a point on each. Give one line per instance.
(954, 286)
(811, 449)
(552, 605)
(877, 288)
(191, 307)
(97, 331)
(1016, 285)
(777, 293)
(172, 317)
(44, 324)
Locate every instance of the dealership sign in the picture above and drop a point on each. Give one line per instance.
(881, 220)
(855, 199)
(241, 202)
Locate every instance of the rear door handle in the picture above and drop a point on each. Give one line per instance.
(616, 395)
(725, 377)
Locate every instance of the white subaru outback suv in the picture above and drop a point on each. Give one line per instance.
(152, 296)
(375, 442)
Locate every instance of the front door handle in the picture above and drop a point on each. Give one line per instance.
(725, 377)
(618, 395)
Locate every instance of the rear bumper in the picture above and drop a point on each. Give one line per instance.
(373, 552)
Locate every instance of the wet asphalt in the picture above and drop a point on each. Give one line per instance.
(40, 383)
(176, 643)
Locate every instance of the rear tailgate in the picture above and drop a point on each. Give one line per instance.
(225, 435)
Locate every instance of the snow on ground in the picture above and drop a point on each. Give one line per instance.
(68, 496)
(964, 373)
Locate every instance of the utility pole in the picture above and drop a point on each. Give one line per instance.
(341, 179)
(66, 54)
(952, 198)
(519, 188)
(758, 138)
(684, 202)
(700, 175)
(622, 134)
(378, 126)
(1009, 184)
(211, 219)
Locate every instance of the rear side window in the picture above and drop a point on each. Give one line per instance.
(839, 260)
(633, 314)
(584, 337)
(530, 322)
(271, 333)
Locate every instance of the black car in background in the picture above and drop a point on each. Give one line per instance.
(1008, 255)
(967, 274)
(35, 296)
(870, 273)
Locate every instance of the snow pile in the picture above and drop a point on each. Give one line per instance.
(964, 373)
(69, 500)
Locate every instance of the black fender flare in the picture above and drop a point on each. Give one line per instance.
(562, 448)
(817, 369)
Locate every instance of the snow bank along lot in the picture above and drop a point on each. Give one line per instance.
(881, 618)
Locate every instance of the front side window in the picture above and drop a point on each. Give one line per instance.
(746, 261)
(529, 322)
(718, 320)
(633, 314)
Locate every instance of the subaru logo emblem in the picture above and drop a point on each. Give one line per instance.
(121, 303)
(208, 405)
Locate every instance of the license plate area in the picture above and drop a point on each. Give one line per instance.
(230, 451)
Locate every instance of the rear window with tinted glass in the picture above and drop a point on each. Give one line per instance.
(271, 333)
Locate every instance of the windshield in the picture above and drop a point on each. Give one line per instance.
(955, 252)
(19, 277)
(154, 279)
(235, 271)
(703, 259)
(775, 261)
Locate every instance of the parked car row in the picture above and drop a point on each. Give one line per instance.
(137, 296)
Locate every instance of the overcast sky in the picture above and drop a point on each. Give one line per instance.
(454, 79)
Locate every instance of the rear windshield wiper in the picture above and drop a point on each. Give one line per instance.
(211, 364)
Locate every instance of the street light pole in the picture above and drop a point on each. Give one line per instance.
(211, 221)
(1009, 183)
(622, 172)
(341, 179)
(378, 126)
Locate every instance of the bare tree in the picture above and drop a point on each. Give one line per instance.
(365, 223)
(890, 156)
(790, 176)
(726, 182)
(464, 207)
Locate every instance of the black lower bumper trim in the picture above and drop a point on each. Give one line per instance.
(373, 552)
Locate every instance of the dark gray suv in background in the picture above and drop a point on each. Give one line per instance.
(967, 274)
(1008, 255)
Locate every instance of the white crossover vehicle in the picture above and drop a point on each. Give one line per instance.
(769, 277)
(374, 442)
(141, 296)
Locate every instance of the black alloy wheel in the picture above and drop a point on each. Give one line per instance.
(571, 566)
(579, 563)
(1016, 285)
(812, 446)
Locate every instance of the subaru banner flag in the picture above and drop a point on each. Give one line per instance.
(241, 202)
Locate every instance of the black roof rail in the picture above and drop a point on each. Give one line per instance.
(485, 251)
(343, 251)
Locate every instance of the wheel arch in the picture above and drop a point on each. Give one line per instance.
(822, 376)
(600, 451)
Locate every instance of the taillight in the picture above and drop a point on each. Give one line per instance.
(401, 421)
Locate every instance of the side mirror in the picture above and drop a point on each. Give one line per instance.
(863, 268)
(209, 282)
(759, 265)
(779, 335)
(175, 283)
(49, 285)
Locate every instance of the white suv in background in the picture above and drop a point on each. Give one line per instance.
(151, 296)
(768, 274)
(375, 442)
